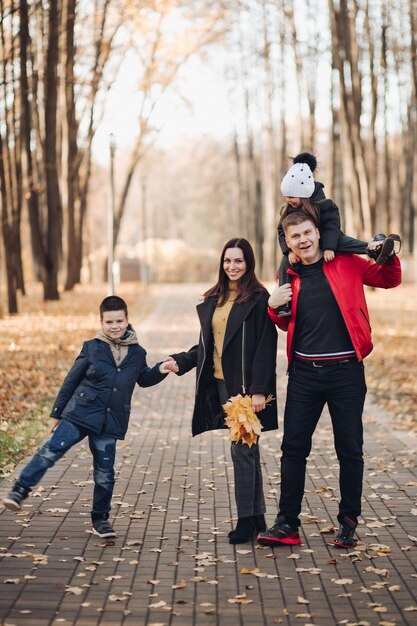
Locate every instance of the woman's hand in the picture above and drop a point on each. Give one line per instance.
(258, 402)
(168, 365)
(293, 258)
(280, 295)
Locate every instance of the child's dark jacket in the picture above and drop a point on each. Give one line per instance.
(96, 392)
(329, 221)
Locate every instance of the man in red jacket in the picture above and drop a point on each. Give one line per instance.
(329, 335)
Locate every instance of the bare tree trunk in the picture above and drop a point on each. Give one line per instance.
(268, 151)
(299, 74)
(32, 194)
(54, 226)
(70, 150)
(386, 204)
(372, 152)
(7, 163)
(345, 56)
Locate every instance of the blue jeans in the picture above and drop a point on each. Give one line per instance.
(66, 435)
(343, 388)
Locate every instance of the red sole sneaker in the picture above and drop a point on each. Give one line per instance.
(269, 540)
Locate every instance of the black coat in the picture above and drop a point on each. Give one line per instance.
(96, 392)
(329, 221)
(248, 361)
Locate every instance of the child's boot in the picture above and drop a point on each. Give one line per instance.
(388, 246)
(374, 253)
(284, 310)
(101, 525)
(14, 499)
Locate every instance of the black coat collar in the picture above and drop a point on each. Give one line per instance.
(236, 318)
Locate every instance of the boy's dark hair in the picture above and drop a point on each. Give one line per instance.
(297, 217)
(113, 303)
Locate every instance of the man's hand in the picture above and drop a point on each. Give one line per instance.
(293, 258)
(328, 255)
(258, 402)
(280, 295)
(53, 423)
(168, 365)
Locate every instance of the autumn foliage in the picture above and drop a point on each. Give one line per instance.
(243, 423)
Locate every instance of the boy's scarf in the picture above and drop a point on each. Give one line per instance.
(119, 347)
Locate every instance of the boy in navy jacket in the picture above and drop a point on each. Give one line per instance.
(94, 402)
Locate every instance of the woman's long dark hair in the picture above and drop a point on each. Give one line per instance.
(246, 286)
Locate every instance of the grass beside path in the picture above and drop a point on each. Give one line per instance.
(391, 369)
(37, 347)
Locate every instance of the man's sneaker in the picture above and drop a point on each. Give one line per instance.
(102, 528)
(13, 500)
(281, 533)
(345, 538)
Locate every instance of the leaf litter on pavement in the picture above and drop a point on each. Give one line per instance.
(364, 560)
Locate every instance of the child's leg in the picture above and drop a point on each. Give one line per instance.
(285, 309)
(103, 449)
(282, 271)
(62, 439)
(351, 245)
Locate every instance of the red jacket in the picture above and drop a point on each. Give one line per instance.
(347, 274)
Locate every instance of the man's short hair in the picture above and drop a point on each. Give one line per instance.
(297, 217)
(113, 303)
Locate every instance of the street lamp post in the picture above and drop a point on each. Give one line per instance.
(110, 221)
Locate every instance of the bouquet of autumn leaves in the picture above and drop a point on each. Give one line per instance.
(244, 425)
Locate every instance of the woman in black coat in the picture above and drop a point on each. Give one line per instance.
(236, 354)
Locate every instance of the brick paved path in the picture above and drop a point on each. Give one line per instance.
(173, 507)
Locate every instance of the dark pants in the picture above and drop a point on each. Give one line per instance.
(66, 435)
(343, 388)
(346, 244)
(247, 471)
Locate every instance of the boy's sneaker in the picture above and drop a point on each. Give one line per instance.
(281, 533)
(345, 538)
(13, 500)
(103, 529)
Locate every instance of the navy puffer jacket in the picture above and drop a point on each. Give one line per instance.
(96, 392)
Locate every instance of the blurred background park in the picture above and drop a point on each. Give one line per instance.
(136, 136)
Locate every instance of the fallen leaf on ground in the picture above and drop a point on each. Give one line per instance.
(302, 600)
(76, 591)
(181, 585)
(342, 581)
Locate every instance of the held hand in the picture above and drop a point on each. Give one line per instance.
(53, 423)
(328, 255)
(168, 365)
(258, 402)
(293, 258)
(280, 295)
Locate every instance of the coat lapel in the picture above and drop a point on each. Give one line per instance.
(205, 312)
(236, 318)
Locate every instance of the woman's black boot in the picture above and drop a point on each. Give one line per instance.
(260, 523)
(244, 530)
